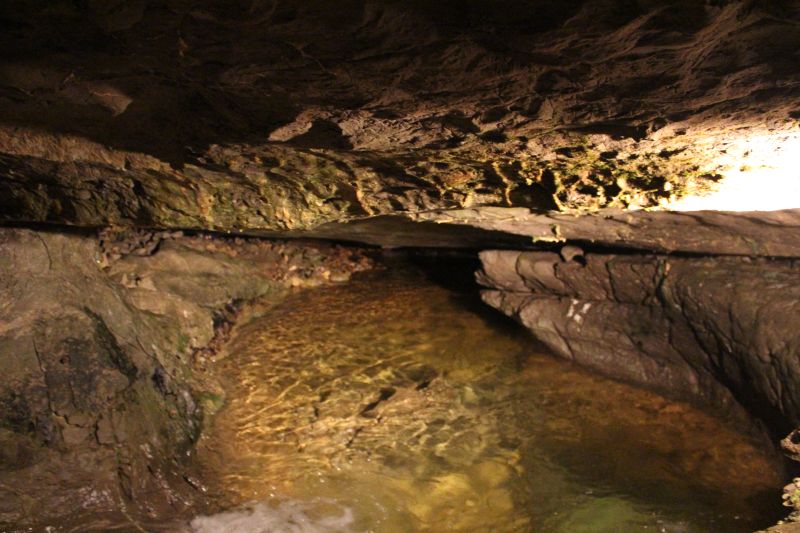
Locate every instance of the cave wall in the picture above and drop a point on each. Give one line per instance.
(720, 330)
(103, 349)
(284, 115)
(518, 124)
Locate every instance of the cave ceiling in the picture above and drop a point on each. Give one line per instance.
(286, 116)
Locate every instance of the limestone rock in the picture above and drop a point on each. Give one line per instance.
(286, 114)
(102, 384)
(721, 330)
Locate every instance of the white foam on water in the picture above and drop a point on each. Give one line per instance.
(288, 516)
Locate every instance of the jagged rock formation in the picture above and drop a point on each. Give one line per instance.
(283, 115)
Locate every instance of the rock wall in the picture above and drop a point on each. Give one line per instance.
(102, 348)
(750, 234)
(722, 330)
(287, 114)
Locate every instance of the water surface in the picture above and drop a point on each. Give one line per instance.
(392, 404)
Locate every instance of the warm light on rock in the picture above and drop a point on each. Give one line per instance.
(187, 187)
(760, 173)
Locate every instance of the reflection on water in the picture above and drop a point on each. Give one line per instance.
(391, 404)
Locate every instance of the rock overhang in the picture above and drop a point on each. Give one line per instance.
(286, 116)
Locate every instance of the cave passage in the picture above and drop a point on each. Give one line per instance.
(399, 265)
(396, 403)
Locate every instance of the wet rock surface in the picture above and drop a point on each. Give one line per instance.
(720, 329)
(102, 355)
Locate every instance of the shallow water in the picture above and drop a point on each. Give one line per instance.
(392, 404)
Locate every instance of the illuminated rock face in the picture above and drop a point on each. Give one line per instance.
(284, 115)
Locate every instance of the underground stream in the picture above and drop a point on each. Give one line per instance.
(398, 402)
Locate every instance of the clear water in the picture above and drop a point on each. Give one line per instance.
(392, 404)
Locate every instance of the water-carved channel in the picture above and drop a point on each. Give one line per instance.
(394, 404)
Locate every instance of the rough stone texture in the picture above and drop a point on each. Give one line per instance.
(103, 390)
(283, 114)
(721, 330)
(767, 233)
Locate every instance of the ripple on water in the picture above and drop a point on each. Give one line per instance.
(392, 404)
